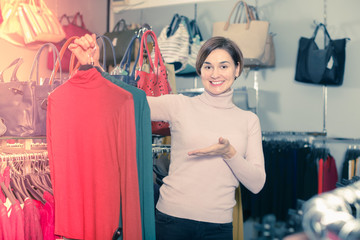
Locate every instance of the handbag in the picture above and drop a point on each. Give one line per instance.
(268, 58)
(250, 36)
(189, 66)
(175, 43)
(321, 66)
(39, 23)
(16, 103)
(122, 71)
(43, 89)
(10, 28)
(120, 38)
(154, 82)
(76, 27)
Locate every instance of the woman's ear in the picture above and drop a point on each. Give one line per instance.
(237, 70)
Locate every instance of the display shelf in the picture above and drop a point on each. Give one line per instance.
(11, 144)
(118, 6)
(16, 137)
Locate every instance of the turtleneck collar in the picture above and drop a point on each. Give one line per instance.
(87, 79)
(223, 100)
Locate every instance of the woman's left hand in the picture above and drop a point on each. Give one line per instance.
(222, 148)
(86, 49)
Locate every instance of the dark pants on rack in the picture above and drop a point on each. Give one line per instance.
(173, 228)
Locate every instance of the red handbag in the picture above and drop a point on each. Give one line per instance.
(76, 27)
(154, 82)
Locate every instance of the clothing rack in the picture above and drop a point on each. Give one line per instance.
(292, 133)
(161, 148)
(313, 136)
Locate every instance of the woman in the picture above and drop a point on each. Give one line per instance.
(214, 146)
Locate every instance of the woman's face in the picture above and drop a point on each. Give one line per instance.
(219, 71)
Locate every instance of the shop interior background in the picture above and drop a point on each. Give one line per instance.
(283, 103)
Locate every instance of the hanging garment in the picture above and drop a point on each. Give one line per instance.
(143, 156)
(5, 227)
(32, 226)
(92, 153)
(330, 174)
(17, 221)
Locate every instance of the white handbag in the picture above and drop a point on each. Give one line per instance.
(250, 36)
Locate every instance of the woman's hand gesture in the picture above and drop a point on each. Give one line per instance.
(222, 148)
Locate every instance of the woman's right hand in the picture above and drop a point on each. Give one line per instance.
(86, 49)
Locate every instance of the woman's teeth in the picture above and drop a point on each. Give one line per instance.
(217, 83)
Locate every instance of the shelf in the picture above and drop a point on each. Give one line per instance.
(14, 137)
(141, 4)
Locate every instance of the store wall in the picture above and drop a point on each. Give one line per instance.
(284, 105)
(94, 14)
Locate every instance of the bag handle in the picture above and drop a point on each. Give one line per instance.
(195, 30)
(227, 24)
(157, 59)
(174, 24)
(64, 16)
(325, 30)
(61, 55)
(186, 22)
(17, 62)
(139, 35)
(37, 60)
(121, 23)
(78, 16)
(126, 60)
(253, 13)
(141, 57)
(103, 38)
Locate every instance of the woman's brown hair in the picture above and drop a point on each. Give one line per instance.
(219, 42)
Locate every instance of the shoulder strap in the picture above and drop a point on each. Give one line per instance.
(17, 62)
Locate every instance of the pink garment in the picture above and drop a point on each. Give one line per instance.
(32, 226)
(92, 154)
(5, 226)
(48, 217)
(6, 176)
(2, 195)
(17, 221)
(202, 188)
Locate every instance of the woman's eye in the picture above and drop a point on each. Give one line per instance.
(224, 67)
(207, 67)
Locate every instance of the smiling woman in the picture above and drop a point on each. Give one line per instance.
(214, 146)
(219, 63)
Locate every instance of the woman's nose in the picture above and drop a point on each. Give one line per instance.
(215, 73)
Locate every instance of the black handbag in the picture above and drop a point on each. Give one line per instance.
(120, 38)
(16, 103)
(321, 66)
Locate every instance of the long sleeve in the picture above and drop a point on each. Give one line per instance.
(92, 154)
(143, 155)
(130, 201)
(202, 187)
(253, 160)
